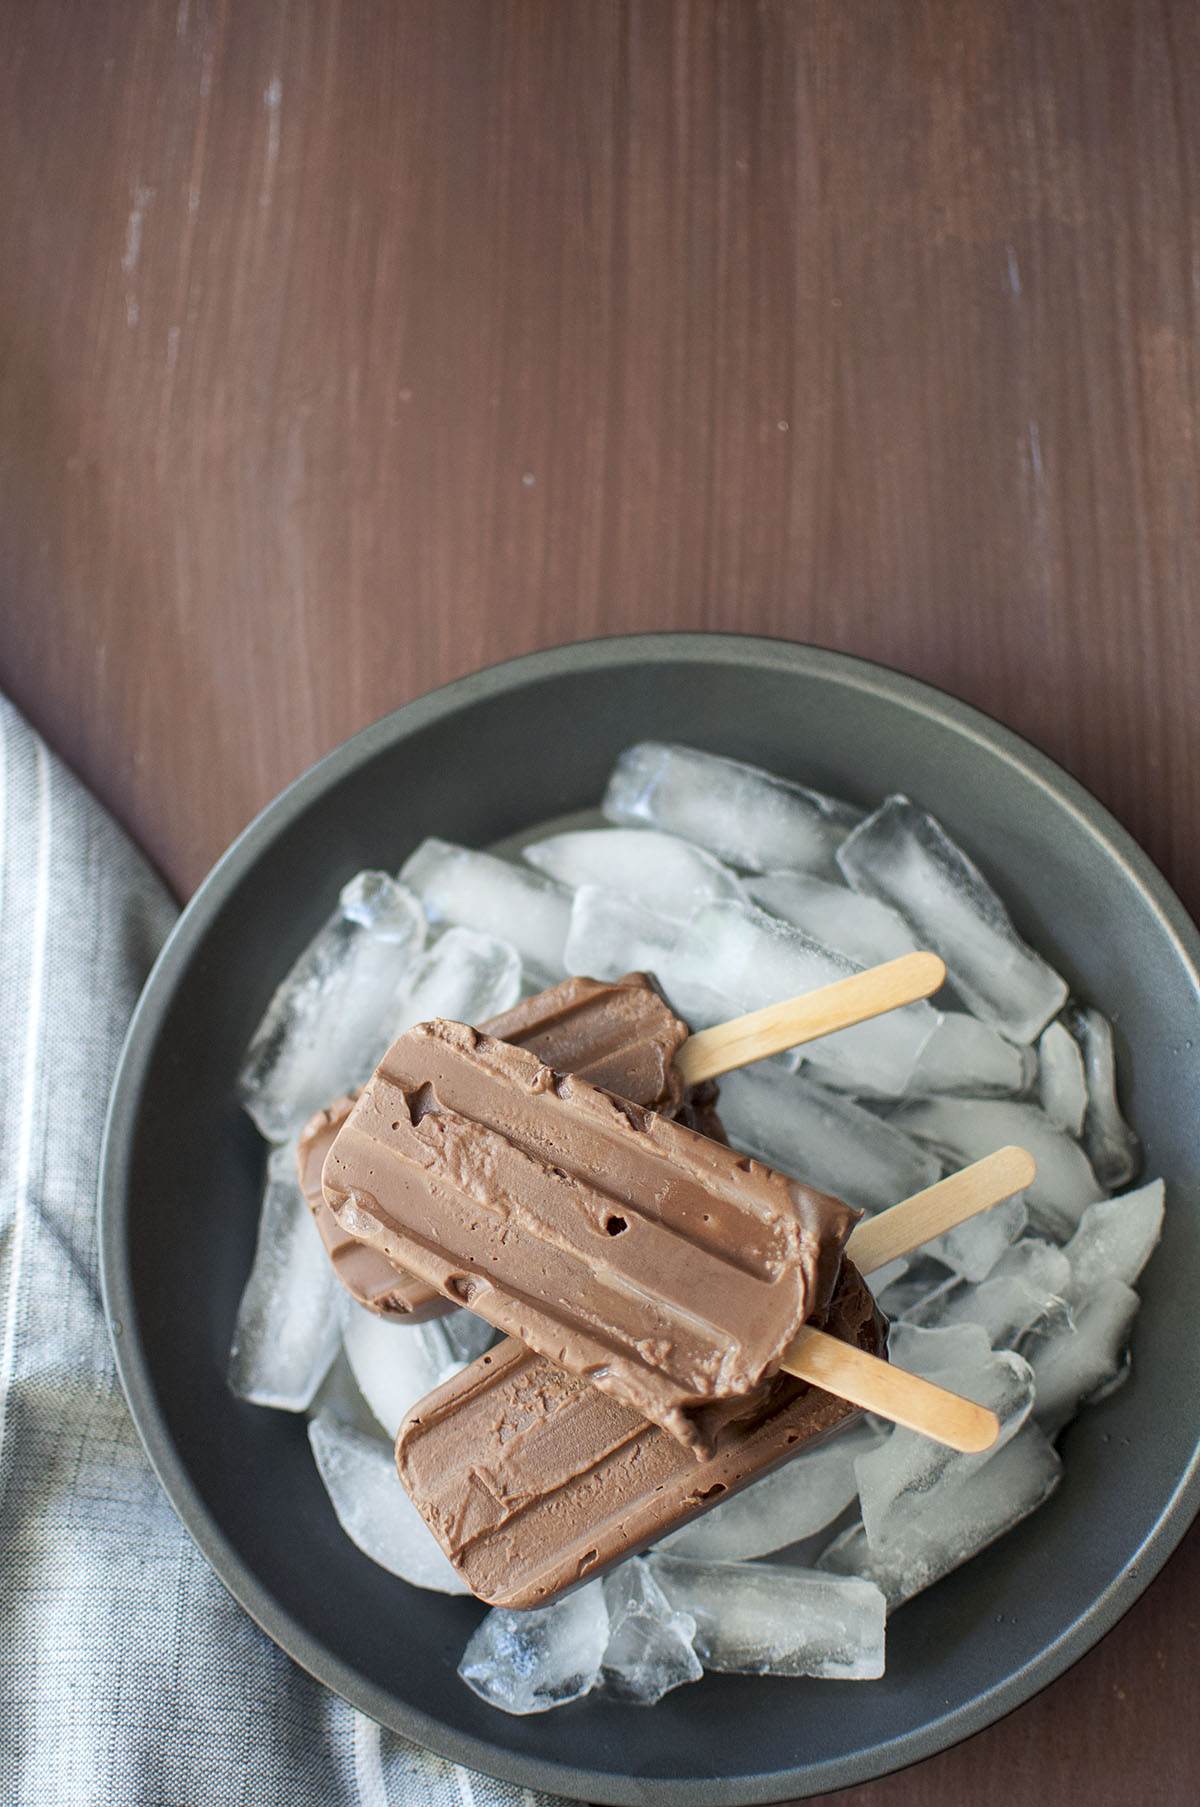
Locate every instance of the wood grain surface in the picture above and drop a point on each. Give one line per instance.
(346, 348)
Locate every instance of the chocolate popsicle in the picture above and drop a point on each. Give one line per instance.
(652, 1261)
(533, 1481)
(619, 1035)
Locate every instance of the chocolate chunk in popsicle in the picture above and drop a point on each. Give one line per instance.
(659, 1265)
(533, 1481)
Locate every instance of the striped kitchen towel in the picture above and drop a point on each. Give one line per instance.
(128, 1677)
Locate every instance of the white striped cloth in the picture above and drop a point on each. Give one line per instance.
(127, 1674)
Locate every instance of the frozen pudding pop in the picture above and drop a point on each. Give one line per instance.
(658, 1264)
(533, 1481)
(627, 1248)
(619, 1035)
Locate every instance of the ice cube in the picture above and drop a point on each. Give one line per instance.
(326, 1026)
(471, 890)
(373, 1509)
(1114, 1240)
(395, 1363)
(935, 1353)
(958, 1519)
(731, 958)
(1028, 1283)
(1084, 1361)
(964, 1055)
(887, 1275)
(288, 1326)
(923, 1276)
(973, 1248)
(745, 816)
(895, 1478)
(611, 935)
(860, 927)
(761, 1618)
(669, 875)
(822, 1138)
(528, 1662)
(965, 1129)
(756, 960)
(649, 1649)
(905, 857)
(1061, 1088)
(795, 1501)
(1111, 1145)
(923, 1306)
(465, 976)
(341, 1398)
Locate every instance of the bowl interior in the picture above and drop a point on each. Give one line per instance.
(183, 1171)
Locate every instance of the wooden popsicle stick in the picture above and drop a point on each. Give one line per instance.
(867, 1381)
(875, 1385)
(743, 1039)
(878, 1240)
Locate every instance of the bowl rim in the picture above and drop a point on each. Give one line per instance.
(510, 675)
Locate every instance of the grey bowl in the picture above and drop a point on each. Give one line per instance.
(481, 760)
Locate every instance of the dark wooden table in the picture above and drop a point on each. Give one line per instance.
(343, 350)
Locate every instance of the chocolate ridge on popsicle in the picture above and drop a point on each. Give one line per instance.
(558, 1212)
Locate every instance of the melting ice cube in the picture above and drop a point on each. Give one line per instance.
(959, 1517)
(822, 1138)
(611, 935)
(528, 1662)
(465, 976)
(373, 1509)
(327, 1025)
(973, 1248)
(795, 1501)
(1061, 1087)
(761, 1618)
(860, 927)
(288, 1321)
(669, 875)
(900, 1294)
(1114, 1240)
(1087, 1359)
(473, 890)
(1112, 1147)
(731, 958)
(905, 857)
(1028, 1283)
(757, 960)
(935, 1352)
(964, 1055)
(895, 1478)
(649, 1649)
(395, 1363)
(966, 1129)
(743, 815)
